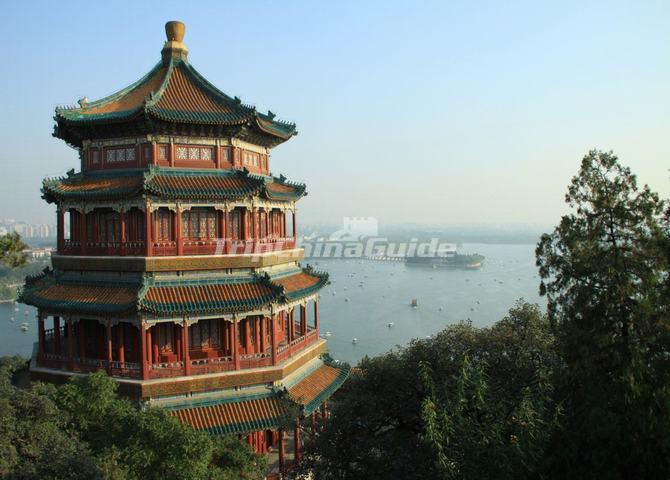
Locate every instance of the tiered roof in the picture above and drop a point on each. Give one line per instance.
(240, 415)
(170, 184)
(171, 95)
(218, 295)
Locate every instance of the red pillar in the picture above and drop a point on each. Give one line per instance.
(257, 334)
(143, 352)
(313, 417)
(324, 411)
(263, 333)
(60, 229)
(236, 344)
(187, 356)
(303, 320)
(121, 344)
(273, 337)
(316, 315)
(295, 232)
(83, 233)
(220, 221)
(122, 226)
(82, 342)
(109, 347)
(57, 348)
(296, 441)
(282, 451)
(148, 345)
(178, 239)
(148, 239)
(177, 335)
(70, 341)
(40, 336)
(226, 230)
(154, 344)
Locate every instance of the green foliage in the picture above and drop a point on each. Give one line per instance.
(84, 430)
(604, 271)
(470, 403)
(11, 250)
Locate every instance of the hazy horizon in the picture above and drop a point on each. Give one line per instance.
(426, 114)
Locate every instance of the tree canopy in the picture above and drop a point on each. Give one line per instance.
(396, 419)
(83, 430)
(604, 271)
(11, 250)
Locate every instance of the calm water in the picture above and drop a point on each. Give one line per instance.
(380, 293)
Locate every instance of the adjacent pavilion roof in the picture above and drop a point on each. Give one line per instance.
(170, 184)
(172, 94)
(236, 415)
(240, 415)
(217, 295)
(317, 386)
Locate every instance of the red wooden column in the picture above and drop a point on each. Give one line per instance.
(236, 344)
(295, 232)
(226, 230)
(303, 320)
(122, 224)
(57, 348)
(40, 336)
(83, 240)
(316, 315)
(143, 352)
(70, 341)
(177, 336)
(247, 335)
(262, 323)
(324, 410)
(148, 347)
(154, 344)
(82, 339)
(60, 229)
(148, 239)
(185, 349)
(282, 451)
(109, 347)
(121, 347)
(177, 233)
(254, 218)
(296, 441)
(273, 337)
(291, 327)
(313, 417)
(257, 334)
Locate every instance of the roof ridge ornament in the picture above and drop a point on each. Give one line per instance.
(174, 48)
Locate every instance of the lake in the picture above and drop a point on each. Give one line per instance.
(365, 296)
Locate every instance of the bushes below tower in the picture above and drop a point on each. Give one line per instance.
(83, 430)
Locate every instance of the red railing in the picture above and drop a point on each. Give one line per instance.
(255, 360)
(282, 353)
(212, 365)
(71, 247)
(165, 249)
(166, 370)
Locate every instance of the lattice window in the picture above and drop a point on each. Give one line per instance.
(182, 153)
(95, 156)
(120, 155)
(162, 152)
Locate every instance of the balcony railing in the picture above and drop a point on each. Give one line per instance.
(73, 247)
(199, 366)
(162, 248)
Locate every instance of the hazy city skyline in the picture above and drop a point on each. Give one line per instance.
(425, 113)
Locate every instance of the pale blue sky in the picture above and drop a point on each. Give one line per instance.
(424, 112)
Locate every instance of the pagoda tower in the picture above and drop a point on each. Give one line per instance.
(177, 270)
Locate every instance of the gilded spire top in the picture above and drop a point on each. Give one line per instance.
(174, 48)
